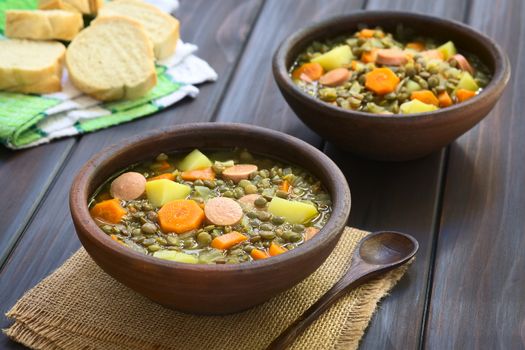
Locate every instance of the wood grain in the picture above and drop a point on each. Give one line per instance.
(404, 197)
(51, 226)
(479, 281)
(27, 176)
(254, 97)
(444, 8)
(401, 197)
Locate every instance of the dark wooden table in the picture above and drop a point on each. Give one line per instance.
(465, 204)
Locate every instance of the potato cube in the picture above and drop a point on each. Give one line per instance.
(335, 58)
(194, 161)
(292, 211)
(160, 192)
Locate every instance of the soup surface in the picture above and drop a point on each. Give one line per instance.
(221, 207)
(374, 71)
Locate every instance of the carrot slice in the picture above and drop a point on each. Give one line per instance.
(109, 211)
(167, 176)
(180, 216)
(381, 81)
(200, 174)
(285, 186)
(354, 64)
(416, 45)
(257, 254)
(369, 56)
(276, 249)
(116, 239)
(444, 99)
(164, 165)
(312, 70)
(228, 240)
(366, 33)
(425, 96)
(463, 94)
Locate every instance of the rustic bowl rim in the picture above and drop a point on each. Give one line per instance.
(499, 79)
(78, 201)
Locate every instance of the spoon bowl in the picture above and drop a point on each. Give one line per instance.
(386, 248)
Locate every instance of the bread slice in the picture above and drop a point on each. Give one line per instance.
(43, 25)
(46, 86)
(26, 63)
(162, 28)
(87, 7)
(112, 59)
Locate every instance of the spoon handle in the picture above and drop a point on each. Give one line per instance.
(352, 279)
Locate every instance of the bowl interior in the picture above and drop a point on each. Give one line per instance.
(212, 136)
(465, 38)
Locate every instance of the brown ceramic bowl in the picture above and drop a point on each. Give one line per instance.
(393, 137)
(208, 289)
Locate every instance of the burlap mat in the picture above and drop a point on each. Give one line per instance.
(81, 307)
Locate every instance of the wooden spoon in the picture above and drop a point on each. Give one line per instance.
(377, 253)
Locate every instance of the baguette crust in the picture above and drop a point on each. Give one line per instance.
(162, 28)
(46, 86)
(112, 59)
(29, 66)
(43, 25)
(87, 7)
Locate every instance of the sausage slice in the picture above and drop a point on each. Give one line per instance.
(391, 57)
(432, 54)
(223, 211)
(310, 233)
(239, 172)
(463, 64)
(335, 77)
(128, 186)
(249, 200)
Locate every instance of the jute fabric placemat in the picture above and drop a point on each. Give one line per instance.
(81, 307)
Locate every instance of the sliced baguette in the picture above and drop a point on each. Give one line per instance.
(26, 63)
(43, 25)
(162, 28)
(112, 59)
(87, 7)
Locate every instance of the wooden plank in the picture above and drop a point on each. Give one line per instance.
(401, 197)
(254, 97)
(404, 197)
(27, 175)
(444, 8)
(479, 282)
(50, 237)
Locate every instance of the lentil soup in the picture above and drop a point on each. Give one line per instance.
(374, 71)
(220, 208)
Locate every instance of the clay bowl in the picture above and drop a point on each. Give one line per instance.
(394, 137)
(208, 289)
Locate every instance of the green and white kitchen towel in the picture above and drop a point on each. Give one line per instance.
(30, 120)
